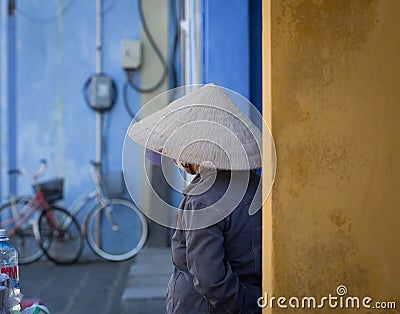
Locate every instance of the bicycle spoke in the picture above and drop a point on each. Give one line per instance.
(112, 222)
(63, 235)
(20, 229)
(116, 232)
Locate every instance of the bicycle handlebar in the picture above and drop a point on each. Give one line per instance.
(35, 176)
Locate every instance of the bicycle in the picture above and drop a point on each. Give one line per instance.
(115, 229)
(36, 226)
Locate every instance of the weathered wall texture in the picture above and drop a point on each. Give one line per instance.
(331, 86)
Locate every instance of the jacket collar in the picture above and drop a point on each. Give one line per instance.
(201, 182)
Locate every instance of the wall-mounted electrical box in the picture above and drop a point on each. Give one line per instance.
(131, 54)
(101, 93)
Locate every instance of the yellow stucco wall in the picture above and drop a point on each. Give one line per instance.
(332, 94)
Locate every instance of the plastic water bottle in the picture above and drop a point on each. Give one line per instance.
(9, 266)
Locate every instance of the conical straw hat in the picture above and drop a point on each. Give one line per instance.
(204, 127)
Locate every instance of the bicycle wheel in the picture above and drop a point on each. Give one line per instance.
(117, 230)
(23, 238)
(60, 235)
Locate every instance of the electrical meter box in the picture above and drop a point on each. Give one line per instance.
(101, 92)
(131, 54)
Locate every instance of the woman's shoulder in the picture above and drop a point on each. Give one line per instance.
(240, 186)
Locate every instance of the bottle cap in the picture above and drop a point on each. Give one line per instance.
(3, 233)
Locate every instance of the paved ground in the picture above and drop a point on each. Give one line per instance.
(147, 283)
(84, 288)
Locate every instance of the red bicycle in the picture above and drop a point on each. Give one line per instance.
(37, 226)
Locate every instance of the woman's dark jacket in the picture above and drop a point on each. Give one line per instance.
(217, 269)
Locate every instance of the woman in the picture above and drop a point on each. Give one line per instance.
(217, 269)
(216, 249)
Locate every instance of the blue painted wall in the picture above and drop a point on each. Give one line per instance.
(232, 46)
(255, 33)
(55, 53)
(54, 58)
(226, 44)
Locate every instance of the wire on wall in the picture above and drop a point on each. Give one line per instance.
(86, 89)
(126, 100)
(130, 73)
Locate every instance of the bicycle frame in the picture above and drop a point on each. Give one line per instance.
(38, 214)
(80, 203)
(96, 193)
(23, 216)
(49, 221)
(36, 203)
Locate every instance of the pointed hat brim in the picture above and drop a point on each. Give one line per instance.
(204, 127)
